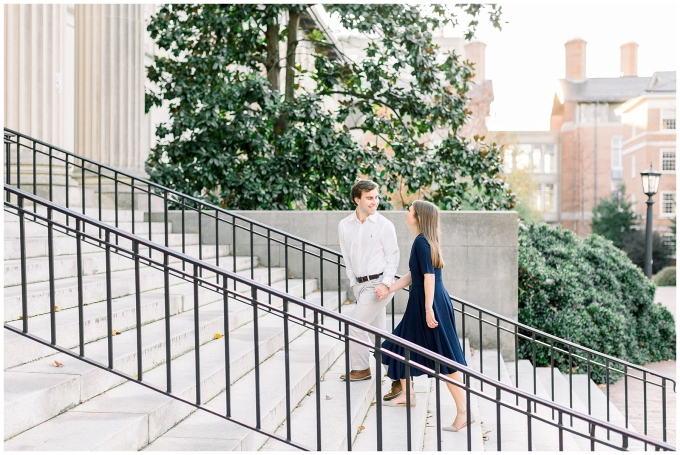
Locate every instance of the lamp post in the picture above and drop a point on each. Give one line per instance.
(650, 185)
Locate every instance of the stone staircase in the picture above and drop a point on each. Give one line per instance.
(60, 403)
(57, 402)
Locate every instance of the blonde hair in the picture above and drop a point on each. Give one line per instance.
(427, 216)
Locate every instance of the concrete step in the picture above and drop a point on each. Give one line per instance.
(205, 431)
(598, 408)
(513, 434)
(562, 397)
(394, 422)
(157, 409)
(452, 441)
(545, 436)
(45, 397)
(35, 229)
(95, 288)
(163, 412)
(19, 349)
(62, 245)
(333, 403)
(66, 266)
(107, 215)
(38, 391)
(37, 247)
(333, 410)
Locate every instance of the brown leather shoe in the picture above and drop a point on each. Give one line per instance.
(394, 392)
(358, 375)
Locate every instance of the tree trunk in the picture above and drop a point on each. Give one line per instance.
(272, 64)
(294, 18)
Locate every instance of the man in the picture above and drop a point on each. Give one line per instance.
(368, 242)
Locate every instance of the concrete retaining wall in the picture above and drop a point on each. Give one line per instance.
(480, 251)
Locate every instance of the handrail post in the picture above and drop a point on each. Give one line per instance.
(227, 356)
(317, 378)
(50, 258)
(378, 393)
(197, 339)
(24, 276)
(138, 309)
(109, 298)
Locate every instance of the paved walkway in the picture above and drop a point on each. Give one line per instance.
(665, 295)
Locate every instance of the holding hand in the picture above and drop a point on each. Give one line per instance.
(382, 291)
(429, 317)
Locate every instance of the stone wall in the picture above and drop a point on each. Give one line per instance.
(480, 251)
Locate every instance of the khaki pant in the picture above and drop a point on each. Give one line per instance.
(371, 311)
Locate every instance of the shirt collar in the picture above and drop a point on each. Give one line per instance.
(373, 218)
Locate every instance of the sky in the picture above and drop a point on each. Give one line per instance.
(525, 59)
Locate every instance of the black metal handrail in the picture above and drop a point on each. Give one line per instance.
(475, 320)
(313, 323)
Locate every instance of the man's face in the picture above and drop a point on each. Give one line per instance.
(368, 204)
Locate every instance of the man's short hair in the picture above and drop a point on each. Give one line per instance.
(361, 187)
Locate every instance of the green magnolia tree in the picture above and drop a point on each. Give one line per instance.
(613, 218)
(238, 139)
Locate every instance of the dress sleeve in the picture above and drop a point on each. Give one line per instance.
(424, 255)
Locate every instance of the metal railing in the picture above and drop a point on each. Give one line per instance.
(252, 238)
(506, 398)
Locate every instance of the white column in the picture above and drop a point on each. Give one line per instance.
(36, 56)
(34, 67)
(110, 74)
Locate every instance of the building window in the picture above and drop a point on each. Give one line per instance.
(544, 199)
(536, 154)
(549, 197)
(538, 198)
(668, 160)
(669, 242)
(668, 119)
(668, 203)
(534, 158)
(549, 159)
(617, 164)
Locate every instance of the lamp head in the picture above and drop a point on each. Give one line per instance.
(650, 181)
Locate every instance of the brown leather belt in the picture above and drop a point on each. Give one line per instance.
(363, 279)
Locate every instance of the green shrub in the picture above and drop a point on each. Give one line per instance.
(666, 277)
(587, 291)
(635, 244)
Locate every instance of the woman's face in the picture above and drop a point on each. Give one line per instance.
(411, 217)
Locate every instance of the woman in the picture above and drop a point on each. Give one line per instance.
(429, 319)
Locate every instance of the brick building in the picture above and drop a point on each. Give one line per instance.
(588, 113)
(649, 137)
(591, 132)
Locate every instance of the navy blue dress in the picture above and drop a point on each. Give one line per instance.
(443, 339)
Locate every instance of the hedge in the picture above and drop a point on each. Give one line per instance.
(665, 277)
(587, 291)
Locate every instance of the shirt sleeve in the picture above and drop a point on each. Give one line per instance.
(345, 254)
(391, 250)
(424, 255)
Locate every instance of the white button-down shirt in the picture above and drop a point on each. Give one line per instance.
(369, 248)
